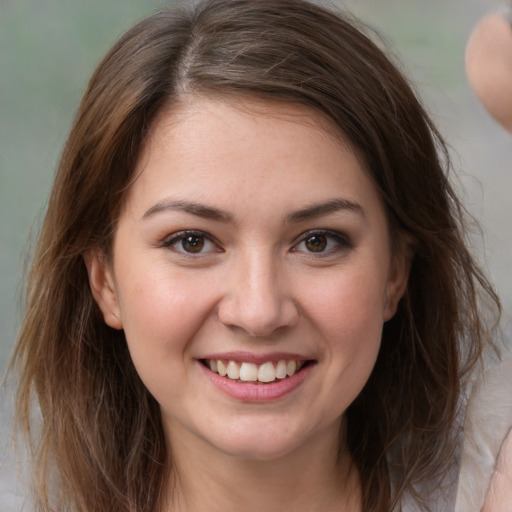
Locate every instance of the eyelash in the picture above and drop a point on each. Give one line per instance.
(172, 241)
(341, 241)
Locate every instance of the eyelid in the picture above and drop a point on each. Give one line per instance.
(343, 241)
(175, 237)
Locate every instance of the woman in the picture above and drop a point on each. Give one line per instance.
(260, 293)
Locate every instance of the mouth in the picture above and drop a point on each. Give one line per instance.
(267, 372)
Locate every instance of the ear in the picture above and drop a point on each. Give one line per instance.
(398, 275)
(103, 287)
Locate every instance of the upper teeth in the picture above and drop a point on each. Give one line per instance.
(250, 372)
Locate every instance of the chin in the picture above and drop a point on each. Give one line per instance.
(256, 440)
(258, 451)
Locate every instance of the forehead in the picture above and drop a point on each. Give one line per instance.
(221, 150)
(199, 108)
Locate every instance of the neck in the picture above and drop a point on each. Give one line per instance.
(318, 476)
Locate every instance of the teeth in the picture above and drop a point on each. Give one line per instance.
(281, 370)
(250, 372)
(233, 370)
(291, 367)
(266, 372)
(221, 369)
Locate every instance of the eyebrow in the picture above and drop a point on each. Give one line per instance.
(325, 208)
(197, 209)
(212, 213)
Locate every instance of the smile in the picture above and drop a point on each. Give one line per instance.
(264, 373)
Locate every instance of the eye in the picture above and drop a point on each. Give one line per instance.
(322, 242)
(191, 242)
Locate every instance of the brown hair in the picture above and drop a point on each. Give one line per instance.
(100, 427)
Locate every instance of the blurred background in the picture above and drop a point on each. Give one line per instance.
(49, 48)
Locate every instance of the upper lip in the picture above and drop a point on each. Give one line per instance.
(250, 357)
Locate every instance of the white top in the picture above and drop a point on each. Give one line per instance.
(487, 425)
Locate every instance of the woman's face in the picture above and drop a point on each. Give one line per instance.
(252, 242)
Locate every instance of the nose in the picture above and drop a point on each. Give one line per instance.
(258, 300)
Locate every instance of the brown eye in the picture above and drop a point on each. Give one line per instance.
(192, 243)
(316, 243)
(323, 243)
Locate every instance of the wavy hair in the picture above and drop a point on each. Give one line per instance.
(100, 443)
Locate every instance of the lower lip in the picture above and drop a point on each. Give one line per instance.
(250, 392)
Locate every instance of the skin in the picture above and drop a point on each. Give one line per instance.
(255, 288)
(489, 66)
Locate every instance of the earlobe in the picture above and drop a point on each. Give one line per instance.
(103, 287)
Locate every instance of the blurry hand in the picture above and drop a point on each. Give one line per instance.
(489, 67)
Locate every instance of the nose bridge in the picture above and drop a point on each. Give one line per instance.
(258, 299)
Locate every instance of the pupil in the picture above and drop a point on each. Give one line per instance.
(316, 243)
(193, 243)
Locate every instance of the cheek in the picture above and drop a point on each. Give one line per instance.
(349, 317)
(350, 304)
(160, 314)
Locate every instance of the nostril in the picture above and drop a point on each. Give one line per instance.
(258, 318)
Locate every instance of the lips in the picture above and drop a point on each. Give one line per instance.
(247, 366)
(245, 371)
